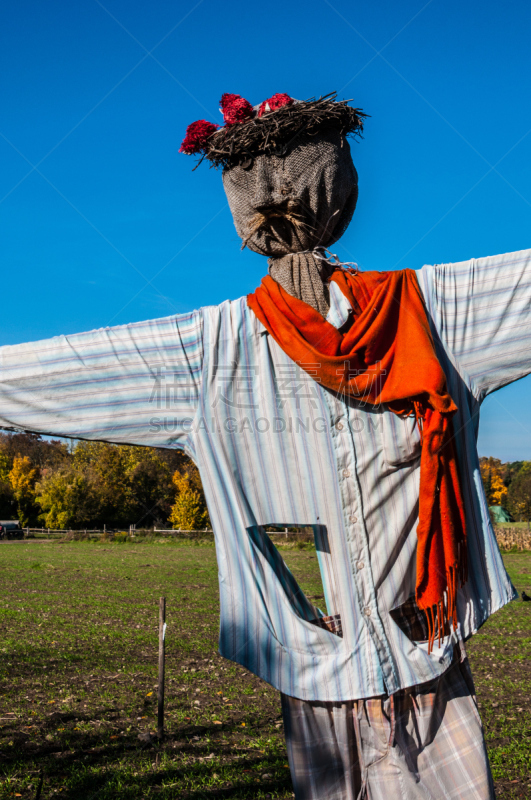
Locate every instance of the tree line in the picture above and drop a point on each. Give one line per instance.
(508, 485)
(81, 484)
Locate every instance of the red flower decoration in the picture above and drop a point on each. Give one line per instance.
(235, 108)
(196, 135)
(277, 101)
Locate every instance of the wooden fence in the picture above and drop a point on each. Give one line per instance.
(286, 532)
(87, 533)
(507, 538)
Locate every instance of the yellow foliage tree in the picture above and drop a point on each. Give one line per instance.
(189, 512)
(498, 491)
(495, 488)
(22, 478)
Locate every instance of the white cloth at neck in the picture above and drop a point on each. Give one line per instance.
(340, 307)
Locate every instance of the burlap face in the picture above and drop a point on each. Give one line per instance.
(296, 202)
(287, 205)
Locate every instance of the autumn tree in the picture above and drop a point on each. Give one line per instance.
(492, 474)
(189, 512)
(43, 453)
(498, 491)
(133, 483)
(68, 498)
(5, 466)
(511, 470)
(88, 484)
(22, 478)
(8, 505)
(152, 490)
(519, 495)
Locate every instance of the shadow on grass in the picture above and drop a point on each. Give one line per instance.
(83, 767)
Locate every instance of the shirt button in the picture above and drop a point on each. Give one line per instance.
(346, 473)
(367, 612)
(360, 565)
(353, 518)
(339, 426)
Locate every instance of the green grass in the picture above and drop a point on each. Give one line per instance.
(78, 674)
(517, 525)
(500, 656)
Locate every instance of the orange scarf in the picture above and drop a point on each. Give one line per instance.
(387, 356)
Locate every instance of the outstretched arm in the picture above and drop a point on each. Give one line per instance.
(482, 312)
(132, 384)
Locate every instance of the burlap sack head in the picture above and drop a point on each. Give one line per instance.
(284, 206)
(296, 202)
(289, 179)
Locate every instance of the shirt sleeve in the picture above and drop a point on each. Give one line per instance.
(132, 384)
(481, 310)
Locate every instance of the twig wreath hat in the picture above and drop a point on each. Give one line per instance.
(290, 181)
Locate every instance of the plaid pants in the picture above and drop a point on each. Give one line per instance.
(424, 743)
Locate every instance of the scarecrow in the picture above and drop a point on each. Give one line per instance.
(342, 400)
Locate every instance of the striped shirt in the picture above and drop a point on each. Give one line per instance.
(274, 447)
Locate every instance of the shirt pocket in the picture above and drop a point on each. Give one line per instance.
(401, 439)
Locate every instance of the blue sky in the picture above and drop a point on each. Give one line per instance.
(103, 222)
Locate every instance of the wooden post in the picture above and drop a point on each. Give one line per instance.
(39, 786)
(160, 689)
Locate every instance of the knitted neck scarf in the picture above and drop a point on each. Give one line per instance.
(387, 356)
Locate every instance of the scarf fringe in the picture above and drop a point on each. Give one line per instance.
(444, 613)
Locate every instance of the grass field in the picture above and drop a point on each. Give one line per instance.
(78, 673)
